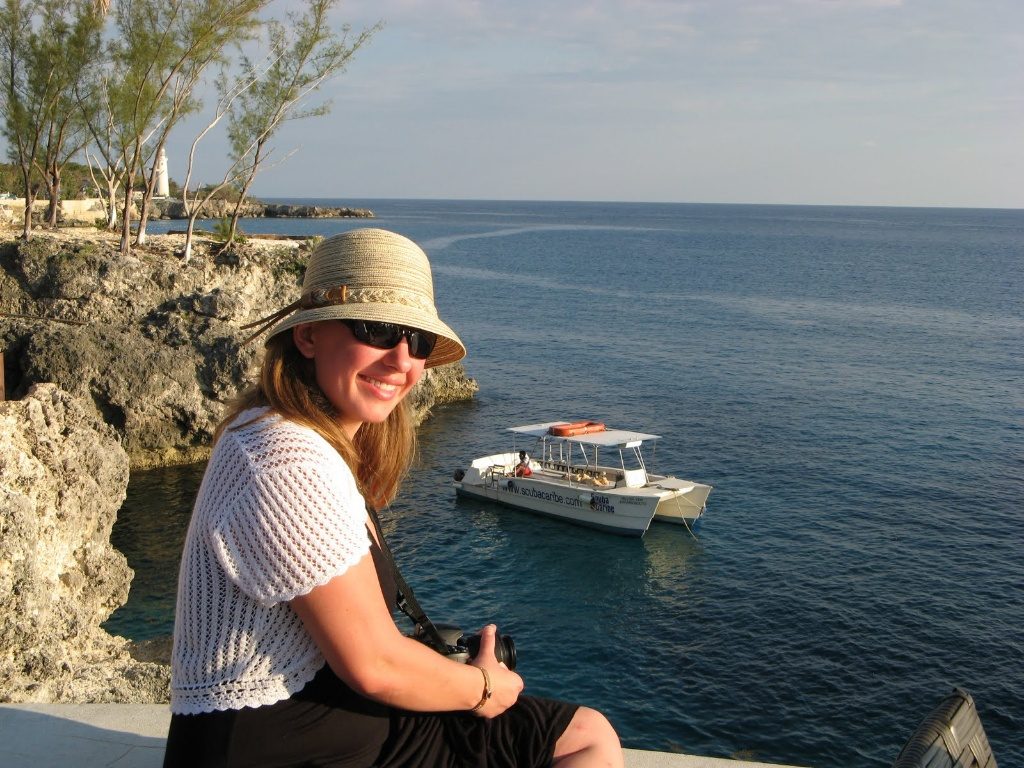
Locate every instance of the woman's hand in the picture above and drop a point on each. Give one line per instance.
(350, 622)
(505, 684)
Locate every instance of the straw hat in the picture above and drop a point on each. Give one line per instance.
(369, 274)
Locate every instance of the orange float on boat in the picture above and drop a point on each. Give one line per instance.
(576, 428)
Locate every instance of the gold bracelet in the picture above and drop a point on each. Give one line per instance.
(488, 691)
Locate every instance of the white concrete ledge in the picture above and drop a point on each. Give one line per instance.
(132, 736)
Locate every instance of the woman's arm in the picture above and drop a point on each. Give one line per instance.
(349, 620)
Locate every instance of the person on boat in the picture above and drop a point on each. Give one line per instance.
(523, 467)
(285, 650)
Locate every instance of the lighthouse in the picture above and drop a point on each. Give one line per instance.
(163, 188)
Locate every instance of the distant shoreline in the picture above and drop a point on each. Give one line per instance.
(87, 211)
(172, 208)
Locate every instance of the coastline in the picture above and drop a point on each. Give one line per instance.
(114, 363)
(85, 212)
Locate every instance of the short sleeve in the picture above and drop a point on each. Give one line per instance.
(291, 528)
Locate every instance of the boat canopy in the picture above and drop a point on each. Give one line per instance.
(618, 438)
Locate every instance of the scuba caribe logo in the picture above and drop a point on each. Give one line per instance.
(596, 502)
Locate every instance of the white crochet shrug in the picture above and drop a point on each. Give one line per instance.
(278, 513)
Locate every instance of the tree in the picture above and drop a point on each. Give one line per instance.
(68, 43)
(107, 155)
(164, 51)
(202, 195)
(25, 99)
(46, 46)
(303, 54)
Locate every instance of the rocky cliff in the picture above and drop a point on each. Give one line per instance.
(63, 475)
(151, 343)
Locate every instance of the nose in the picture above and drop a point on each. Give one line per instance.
(398, 356)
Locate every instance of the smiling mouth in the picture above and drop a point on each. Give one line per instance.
(382, 386)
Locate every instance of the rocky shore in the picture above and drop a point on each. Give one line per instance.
(111, 363)
(63, 476)
(86, 212)
(218, 209)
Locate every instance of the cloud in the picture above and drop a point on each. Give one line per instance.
(756, 100)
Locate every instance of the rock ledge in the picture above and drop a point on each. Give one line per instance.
(63, 476)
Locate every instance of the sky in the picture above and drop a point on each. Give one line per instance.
(823, 102)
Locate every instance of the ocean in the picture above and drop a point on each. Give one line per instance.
(849, 380)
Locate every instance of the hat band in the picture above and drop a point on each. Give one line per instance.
(321, 297)
(325, 297)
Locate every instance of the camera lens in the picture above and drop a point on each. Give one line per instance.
(504, 649)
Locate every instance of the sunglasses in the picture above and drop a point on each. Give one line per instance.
(389, 335)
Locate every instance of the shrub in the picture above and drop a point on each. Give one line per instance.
(222, 230)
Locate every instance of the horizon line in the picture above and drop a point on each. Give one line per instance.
(636, 202)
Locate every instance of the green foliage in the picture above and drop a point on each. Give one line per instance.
(104, 82)
(293, 264)
(303, 54)
(225, 234)
(10, 180)
(47, 47)
(228, 193)
(164, 50)
(295, 260)
(17, 93)
(76, 181)
(165, 46)
(86, 252)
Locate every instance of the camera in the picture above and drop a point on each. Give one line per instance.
(462, 647)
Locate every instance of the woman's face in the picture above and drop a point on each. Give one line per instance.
(363, 383)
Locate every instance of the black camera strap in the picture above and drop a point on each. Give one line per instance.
(407, 602)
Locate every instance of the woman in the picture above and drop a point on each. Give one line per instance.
(285, 651)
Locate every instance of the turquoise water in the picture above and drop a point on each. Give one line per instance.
(849, 380)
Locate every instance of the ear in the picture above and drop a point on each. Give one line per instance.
(302, 335)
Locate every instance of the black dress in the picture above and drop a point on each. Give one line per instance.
(327, 724)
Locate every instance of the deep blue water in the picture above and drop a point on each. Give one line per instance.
(849, 380)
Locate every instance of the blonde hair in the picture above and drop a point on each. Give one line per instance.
(380, 454)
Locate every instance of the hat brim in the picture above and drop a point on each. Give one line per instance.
(449, 347)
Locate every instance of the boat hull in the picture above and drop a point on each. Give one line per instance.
(683, 503)
(625, 515)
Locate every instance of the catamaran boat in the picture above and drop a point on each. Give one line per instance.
(587, 474)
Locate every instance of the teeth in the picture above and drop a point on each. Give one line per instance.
(382, 385)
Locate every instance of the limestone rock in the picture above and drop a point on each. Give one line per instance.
(63, 476)
(441, 385)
